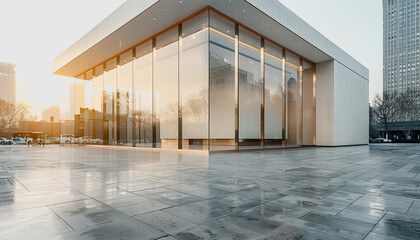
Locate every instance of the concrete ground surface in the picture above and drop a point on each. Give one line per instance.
(362, 192)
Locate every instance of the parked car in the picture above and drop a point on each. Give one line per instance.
(382, 140)
(5, 141)
(22, 140)
(88, 140)
(66, 138)
(52, 140)
(371, 140)
(27, 136)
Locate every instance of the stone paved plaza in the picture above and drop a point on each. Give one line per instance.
(76, 192)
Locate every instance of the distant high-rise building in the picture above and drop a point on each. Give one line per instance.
(401, 44)
(52, 111)
(77, 98)
(8, 82)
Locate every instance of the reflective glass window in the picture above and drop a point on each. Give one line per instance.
(144, 49)
(110, 106)
(124, 98)
(222, 24)
(249, 86)
(273, 108)
(166, 38)
(194, 81)
(166, 89)
(292, 59)
(97, 111)
(89, 75)
(78, 95)
(143, 111)
(195, 24)
(308, 95)
(222, 86)
(293, 102)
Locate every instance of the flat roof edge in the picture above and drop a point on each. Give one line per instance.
(272, 9)
(300, 27)
(117, 19)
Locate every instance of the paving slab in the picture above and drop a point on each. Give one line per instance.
(361, 192)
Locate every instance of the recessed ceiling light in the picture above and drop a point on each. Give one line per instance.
(166, 10)
(154, 19)
(180, 2)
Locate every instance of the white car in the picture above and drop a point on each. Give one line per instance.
(5, 141)
(97, 141)
(88, 140)
(382, 140)
(67, 139)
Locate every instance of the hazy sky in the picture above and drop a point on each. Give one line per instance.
(354, 25)
(35, 32)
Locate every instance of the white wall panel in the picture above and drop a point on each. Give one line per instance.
(351, 107)
(342, 100)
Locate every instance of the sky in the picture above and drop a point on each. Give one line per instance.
(356, 26)
(35, 32)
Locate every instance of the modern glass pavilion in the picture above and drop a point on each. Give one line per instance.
(206, 82)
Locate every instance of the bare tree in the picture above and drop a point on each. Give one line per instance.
(386, 109)
(11, 114)
(194, 110)
(409, 105)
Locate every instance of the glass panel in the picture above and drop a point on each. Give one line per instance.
(194, 81)
(196, 24)
(273, 50)
(78, 95)
(111, 64)
(292, 59)
(144, 49)
(222, 91)
(89, 75)
(248, 38)
(125, 81)
(167, 38)
(88, 92)
(86, 113)
(126, 57)
(273, 108)
(99, 70)
(222, 24)
(249, 89)
(309, 114)
(109, 98)
(97, 112)
(143, 95)
(166, 92)
(293, 106)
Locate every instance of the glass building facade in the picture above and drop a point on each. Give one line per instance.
(207, 83)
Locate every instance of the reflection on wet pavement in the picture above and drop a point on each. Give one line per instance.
(357, 192)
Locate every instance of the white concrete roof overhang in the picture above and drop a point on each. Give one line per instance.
(137, 20)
